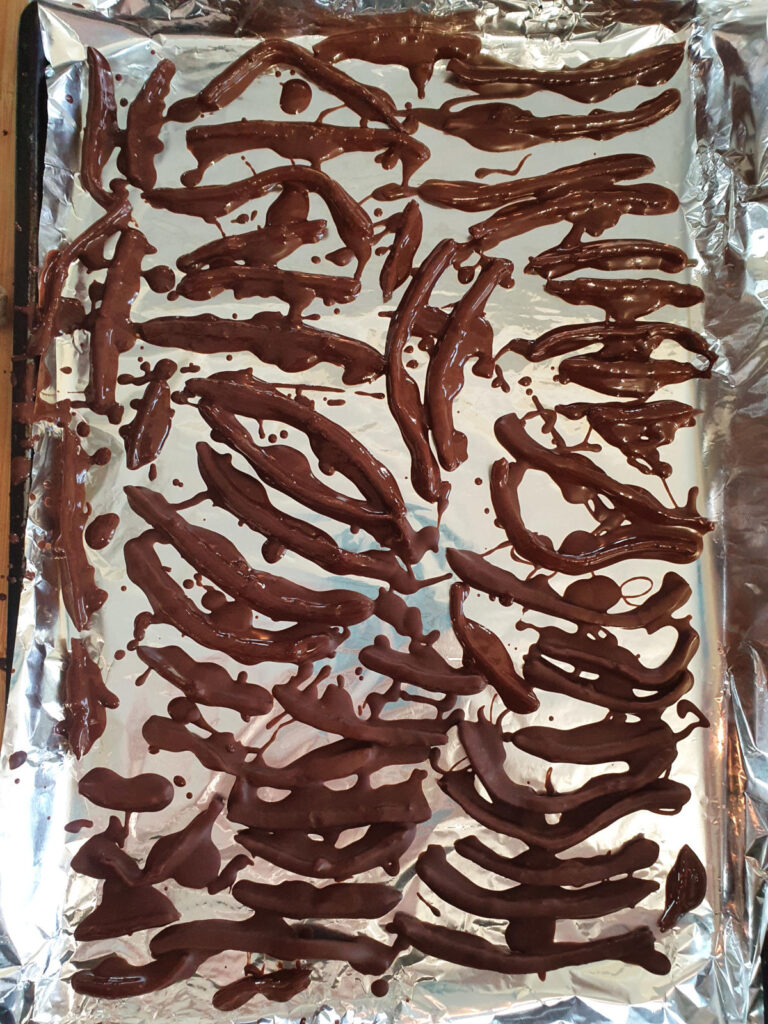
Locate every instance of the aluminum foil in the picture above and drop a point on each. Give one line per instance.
(712, 151)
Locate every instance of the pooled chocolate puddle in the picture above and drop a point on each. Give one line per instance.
(381, 750)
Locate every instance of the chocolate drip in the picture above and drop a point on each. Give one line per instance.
(402, 391)
(686, 888)
(302, 140)
(270, 935)
(220, 561)
(527, 901)
(610, 254)
(536, 593)
(276, 986)
(467, 335)
(205, 682)
(591, 82)
(295, 96)
(124, 910)
(213, 201)
(146, 434)
(84, 700)
(485, 652)
(247, 644)
(100, 531)
(500, 127)
(382, 512)
(272, 338)
(632, 947)
(397, 266)
(638, 430)
(626, 300)
(302, 900)
(100, 133)
(381, 846)
(106, 788)
(535, 868)
(113, 332)
(229, 873)
(369, 103)
(82, 598)
(402, 39)
(141, 142)
(631, 521)
(420, 666)
(246, 499)
(115, 978)
(268, 244)
(188, 856)
(57, 265)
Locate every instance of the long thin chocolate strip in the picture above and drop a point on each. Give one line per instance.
(101, 134)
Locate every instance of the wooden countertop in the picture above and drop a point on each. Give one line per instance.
(10, 13)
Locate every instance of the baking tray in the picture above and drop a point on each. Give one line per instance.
(31, 125)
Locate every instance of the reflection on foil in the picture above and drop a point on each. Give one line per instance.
(533, 774)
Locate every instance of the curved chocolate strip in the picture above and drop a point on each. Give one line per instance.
(485, 651)
(312, 141)
(591, 82)
(146, 434)
(113, 332)
(463, 339)
(317, 808)
(652, 529)
(219, 751)
(618, 340)
(637, 429)
(625, 299)
(213, 201)
(633, 947)
(402, 391)
(368, 102)
(593, 210)
(483, 743)
(82, 598)
(56, 269)
(247, 499)
(381, 846)
(661, 797)
(627, 378)
(536, 593)
(501, 127)
(84, 701)
(474, 196)
(125, 909)
(685, 889)
(609, 254)
(421, 666)
(336, 760)
(269, 244)
(147, 792)
(401, 39)
(141, 141)
(334, 712)
(536, 868)
(268, 934)
(277, 986)
(115, 978)
(383, 513)
(250, 646)
(399, 260)
(302, 900)
(205, 682)
(527, 901)
(220, 561)
(188, 856)
(297, 289)
(272, 338)
(100, 134)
